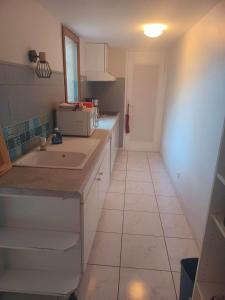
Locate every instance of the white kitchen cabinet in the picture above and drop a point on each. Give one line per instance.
(114, 143)
(45, 242)
(96, 57)
(104, 173)
(96, 63)
(210, 277)
(39, 238)
(91, 213)
(93, 200)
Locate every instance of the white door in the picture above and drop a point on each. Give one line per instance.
(145, 84)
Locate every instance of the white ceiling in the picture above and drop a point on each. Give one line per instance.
(118, 22)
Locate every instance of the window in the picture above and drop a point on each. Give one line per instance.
(71, 56)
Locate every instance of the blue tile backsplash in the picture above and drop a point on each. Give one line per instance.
(19, 137)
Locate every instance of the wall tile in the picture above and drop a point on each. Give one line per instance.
(23, 95)
(27, 104)
(111, 97)
(18, 74)
(19, 136)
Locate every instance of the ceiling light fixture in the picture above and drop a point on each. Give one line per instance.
(154, 30)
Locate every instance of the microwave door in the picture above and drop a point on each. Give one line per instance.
(92, 122)
(92, 119)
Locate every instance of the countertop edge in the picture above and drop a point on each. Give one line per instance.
(77, 192)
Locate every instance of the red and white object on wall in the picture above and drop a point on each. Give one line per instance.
(127, 120)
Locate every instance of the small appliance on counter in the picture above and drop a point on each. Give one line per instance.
(76, 119)
(57, 137)
(95, 103)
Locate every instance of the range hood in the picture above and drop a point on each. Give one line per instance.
(97, 55)
(99, 76)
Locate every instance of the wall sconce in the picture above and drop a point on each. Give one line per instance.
(42, 69)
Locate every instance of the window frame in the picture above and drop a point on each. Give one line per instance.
(66, 32)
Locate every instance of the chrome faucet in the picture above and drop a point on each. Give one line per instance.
(43, 142)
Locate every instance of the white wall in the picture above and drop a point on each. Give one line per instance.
(26, 25)
(195, 113)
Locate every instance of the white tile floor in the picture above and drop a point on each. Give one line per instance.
(142, 235)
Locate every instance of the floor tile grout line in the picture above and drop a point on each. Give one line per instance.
(120, 267)
(163, 232)
(141, 234)
(145, 211)
(121, 245)
(132, 268)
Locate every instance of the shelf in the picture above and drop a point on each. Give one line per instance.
(219, 221)
(208, 290)
(38, 282)
(14, 238)
(221, 178)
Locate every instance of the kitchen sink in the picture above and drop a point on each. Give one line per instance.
(72, 154)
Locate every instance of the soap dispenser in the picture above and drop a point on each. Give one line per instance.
(57, 137)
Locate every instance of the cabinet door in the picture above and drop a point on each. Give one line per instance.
(114, 144)
(95, 57)
(93, 203)
(104, 176)
(91, 216)
(106, 57)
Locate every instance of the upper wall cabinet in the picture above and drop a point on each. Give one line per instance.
(96, 62)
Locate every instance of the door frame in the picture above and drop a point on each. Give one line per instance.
(155, 57)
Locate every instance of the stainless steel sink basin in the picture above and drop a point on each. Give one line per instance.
(72, 154)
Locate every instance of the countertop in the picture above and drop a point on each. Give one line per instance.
(57, 182)
(106, 122)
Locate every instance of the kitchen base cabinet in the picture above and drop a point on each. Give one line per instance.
(40, 246)
(114, 143)
(35, 281)
(93, 200)
(104, 176)
(45, 242)
(91, 212)
(20, 296)
(210, 277)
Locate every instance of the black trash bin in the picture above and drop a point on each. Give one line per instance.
(188, 272)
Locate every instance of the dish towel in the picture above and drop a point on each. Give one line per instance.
(127, 117)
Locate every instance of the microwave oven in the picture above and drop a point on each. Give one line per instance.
(76, 122)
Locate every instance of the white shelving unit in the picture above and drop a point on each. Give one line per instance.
(219, 221)
(210, 278)
(38, 282)
(40, 245)
(221, 178)
(208, 290)
(24, 239)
